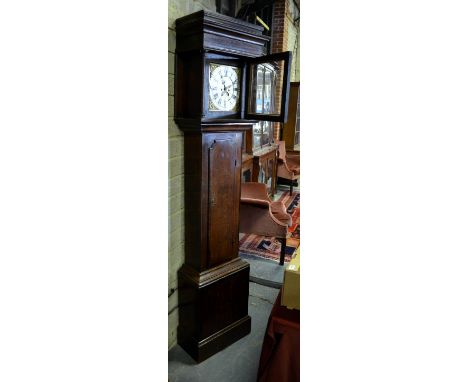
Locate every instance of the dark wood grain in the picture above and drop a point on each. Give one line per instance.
(206, 37)
(224, 165)
(214, 281)
(213, 162)
(189, 86)
(206, 30)
(213, 308)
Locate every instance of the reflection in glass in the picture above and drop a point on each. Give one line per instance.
(259, 96)
(262, 134)
(265, 134)
(267, 94)
(247, 176)
(256, 141)
(257, 128)
(261, 176)
(263, 87)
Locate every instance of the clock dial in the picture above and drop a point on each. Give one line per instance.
(224, 88)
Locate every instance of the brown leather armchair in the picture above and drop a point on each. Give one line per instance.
(288, 165)
(262, 216)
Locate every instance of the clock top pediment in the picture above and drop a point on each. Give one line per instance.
(211, 31)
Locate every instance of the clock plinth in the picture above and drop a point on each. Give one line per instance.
(213, 310)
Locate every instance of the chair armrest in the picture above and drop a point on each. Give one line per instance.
(256, 202)
(254, 190)
(283, 171)
(260, 221)
(294, 160)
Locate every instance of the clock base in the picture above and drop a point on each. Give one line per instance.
(213, 308)
(203, 350)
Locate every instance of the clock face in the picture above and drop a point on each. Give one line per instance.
(224, 90)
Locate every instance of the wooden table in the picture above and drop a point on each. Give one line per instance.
(247, 167)
(265, 161)
(280, 357)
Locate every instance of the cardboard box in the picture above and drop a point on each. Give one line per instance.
(290, 294)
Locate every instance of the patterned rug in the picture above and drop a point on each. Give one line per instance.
(269, 247)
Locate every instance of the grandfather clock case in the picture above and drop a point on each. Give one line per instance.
(218, 59)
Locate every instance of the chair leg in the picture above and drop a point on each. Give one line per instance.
(283, 250)
(290, 187)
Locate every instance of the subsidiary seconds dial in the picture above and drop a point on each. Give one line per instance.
(224, 88)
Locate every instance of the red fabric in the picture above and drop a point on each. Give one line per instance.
(254, 190)
(293, 164)
(278, 210)
(282, 150)
(296, 170)
(280, 358)
(259, 215)
(288, 165)
(293, 160)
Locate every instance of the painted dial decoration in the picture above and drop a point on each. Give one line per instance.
(224, 90)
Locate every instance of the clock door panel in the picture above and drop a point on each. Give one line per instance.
(224, 166)
(268, 87)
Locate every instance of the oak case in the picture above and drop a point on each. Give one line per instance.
(214, 281)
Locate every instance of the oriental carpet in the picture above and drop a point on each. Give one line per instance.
(268, 247)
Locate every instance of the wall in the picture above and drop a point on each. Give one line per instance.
(286, 36)
(292, 41)
(177, 8)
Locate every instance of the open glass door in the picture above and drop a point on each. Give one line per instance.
(268, 87)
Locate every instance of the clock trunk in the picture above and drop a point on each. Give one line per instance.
(214, 281)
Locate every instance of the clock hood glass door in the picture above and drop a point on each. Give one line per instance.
(268, 87)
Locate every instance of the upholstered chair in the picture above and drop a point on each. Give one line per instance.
(288, 165)
(262, 216)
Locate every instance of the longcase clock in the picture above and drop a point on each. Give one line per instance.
(218, 96)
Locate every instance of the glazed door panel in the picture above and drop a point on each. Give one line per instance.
(264, 168)
(224, 175)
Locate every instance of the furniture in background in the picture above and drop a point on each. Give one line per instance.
(262, 216)
(259, 140)
(262, 135)
(247, 167)
(259, 144)
(290, 133)
(280, 356)
(265, 167)
(288, 165)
